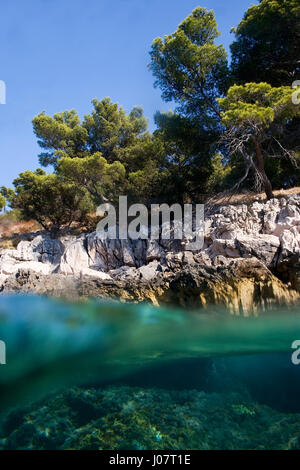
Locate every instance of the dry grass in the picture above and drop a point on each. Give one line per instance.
(9, 228)
(250, 197)
(12, 231)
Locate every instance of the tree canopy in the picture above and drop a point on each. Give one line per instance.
(49, 200)
(107, 130)
(94, 174)
(192, 71)
(190, 68)
(267, 45)
(254, 115)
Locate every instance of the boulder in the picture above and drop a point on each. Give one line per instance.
(245, 287)
(75, 258)
(150, 271)
(263, 247)
(11, 267)
(94, 273)
(48, 250)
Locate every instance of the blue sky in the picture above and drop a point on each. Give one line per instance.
(59, 54)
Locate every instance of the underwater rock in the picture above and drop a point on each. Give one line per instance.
(137, 418)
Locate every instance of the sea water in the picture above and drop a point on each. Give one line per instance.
(99, 375)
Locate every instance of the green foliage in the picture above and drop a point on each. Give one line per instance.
(189, 67)
(7, 193)
(221, 175)
(186, 163)
(11, 216)
(110, 130)
(191, 70)
(102, 180)
(49, 200)
(107, 130)
(147, 149)
(267, 49)
(267, 45)
(60, 136)
(144, 186)
(282, 172)
(257, 104)
(2, 202)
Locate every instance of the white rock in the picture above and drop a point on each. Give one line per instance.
(290, 241)
(25, 252)
(154, 250)
(75, 258)
(269, 231)
(9, 267)
(48, 250)
(149, 271)
(35, 266)
(3, 278)
(93, 273)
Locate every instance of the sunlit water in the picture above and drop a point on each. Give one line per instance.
(122, 376)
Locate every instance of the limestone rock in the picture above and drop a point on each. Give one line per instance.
(10, 267)
(3, 278)
(49, 250)
(244, 287)
(150, 271)
(24, 252)
(94, 273)
(154, 251)
(263, 247)
(112, 254)
(75, 258)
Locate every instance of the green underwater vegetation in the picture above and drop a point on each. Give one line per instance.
(136, 418)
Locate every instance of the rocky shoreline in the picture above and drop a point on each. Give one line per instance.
(250, 261)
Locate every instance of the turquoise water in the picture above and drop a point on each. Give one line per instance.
(121, 376)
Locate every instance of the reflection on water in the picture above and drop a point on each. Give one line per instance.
(120, 376)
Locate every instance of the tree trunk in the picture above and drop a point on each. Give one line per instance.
(261, 170)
